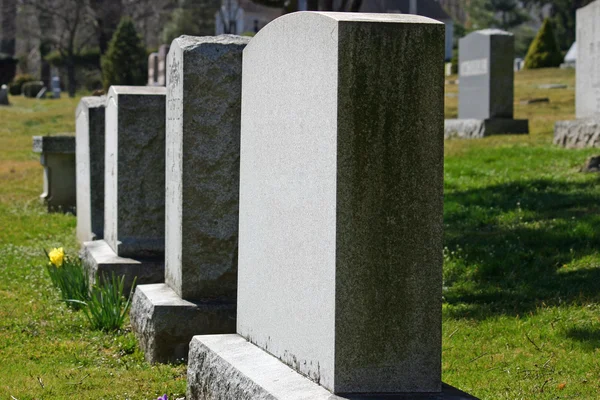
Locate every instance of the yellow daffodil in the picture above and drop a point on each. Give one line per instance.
(57, 256)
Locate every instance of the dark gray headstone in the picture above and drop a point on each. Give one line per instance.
(89, 120)
(134, 175)
(486, 72)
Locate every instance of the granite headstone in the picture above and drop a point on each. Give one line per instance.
(89, 155)
(340, 232)
(204, 85)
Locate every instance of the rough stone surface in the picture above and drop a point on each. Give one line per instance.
(4, 96)
(164, 323)
(587, 97)
(89, 157)
(204, 86)
(58, 159)
(577, 134)
(341, 183)
(134, 202)
(100, 260)
(477, 128)
(486, 74)
(224, 367)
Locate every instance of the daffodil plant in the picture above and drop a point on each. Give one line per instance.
(68, 277)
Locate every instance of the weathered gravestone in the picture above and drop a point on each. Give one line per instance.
(585, 130)
(204, 85)
(486, 88)
(134, 187)
(4, 96)
(89, 155)
(340, 233)
(58, 159)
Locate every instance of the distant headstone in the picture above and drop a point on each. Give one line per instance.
(486, 89)
(4, 96)
(585, 130)
(570, 60)
(134, 187)
(204, 86)
(55, 82)
(58, 158)
(340, 231)
(587, 97)
(153, 69)
(89, 122)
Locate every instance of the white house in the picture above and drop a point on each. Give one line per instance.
(243, 16)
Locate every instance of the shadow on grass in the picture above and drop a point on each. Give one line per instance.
(588, 336)
(516, 246)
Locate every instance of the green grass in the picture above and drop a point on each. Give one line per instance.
(521, 274)
(48, 351)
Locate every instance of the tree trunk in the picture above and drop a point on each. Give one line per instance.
(71, 75)
(355, 7)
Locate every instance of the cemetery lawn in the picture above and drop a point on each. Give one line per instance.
(522, 258)
(521, 275)
(46, 350)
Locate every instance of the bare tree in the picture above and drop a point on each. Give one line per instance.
(70, 31)
(8, 26)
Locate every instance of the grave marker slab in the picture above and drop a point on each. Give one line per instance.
(89, 122)
(134, 185)
(204, 85)
(585, 130)
(340, 240)
(486, 88)
(4, 96)
(57, 155)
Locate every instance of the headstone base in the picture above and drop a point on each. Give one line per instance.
(478, 128)
(229, 367)
(577, 134)
(99, 259)
(164, 323)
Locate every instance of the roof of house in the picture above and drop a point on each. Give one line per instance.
(426, 8)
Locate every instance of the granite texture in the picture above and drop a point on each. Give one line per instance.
(58, 159)
(100, 260)
(340, 249)
(486, 72)
(478, 128)
(587, 96)
(164, 323)
(134, 202)
(224, 367)
(204, 85)
(89, 157)
(54, 144)
(577, 134)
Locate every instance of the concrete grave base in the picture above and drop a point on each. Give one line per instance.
(164, 323)
(99, 259)
(224, 367)
(478, 128)
(577, 133)
(58, 159)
